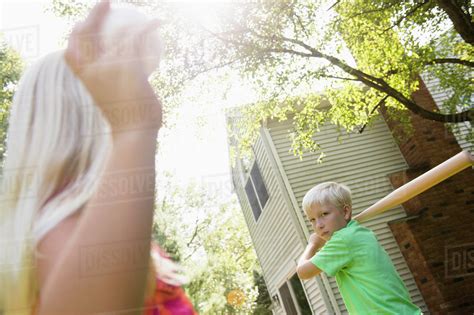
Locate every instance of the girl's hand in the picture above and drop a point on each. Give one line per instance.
(115, 75)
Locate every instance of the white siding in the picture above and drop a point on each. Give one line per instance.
(314, 288)
(274, 235)
(362, 161)
(440, 96)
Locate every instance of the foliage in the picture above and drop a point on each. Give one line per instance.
(290, 49)
(263, 300)
(392, 43)
(207, 234)
(10, 70)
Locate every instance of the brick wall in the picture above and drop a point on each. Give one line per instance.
(437, 239)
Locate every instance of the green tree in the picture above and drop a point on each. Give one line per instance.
(296, 52)
(10, 70)
(206, 232)
(263, 299)
(292, 48)
(230, 261)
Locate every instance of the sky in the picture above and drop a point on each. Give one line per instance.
(194, 149)
(29, 28)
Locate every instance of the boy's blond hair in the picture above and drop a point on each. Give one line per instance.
(331, 193)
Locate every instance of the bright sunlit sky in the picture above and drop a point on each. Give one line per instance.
(191, 150)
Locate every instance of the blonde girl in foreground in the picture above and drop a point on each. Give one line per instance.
(84, 121)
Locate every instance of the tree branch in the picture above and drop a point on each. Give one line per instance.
(191, 254)
(332, 6)
(374, 10)
(382, 101)
(333, 60)
(408, 14)
(382, 86)
(289, 51)
(466, 63)
(371, 81)
(196, 230)
(462, 20)
(339, 78)
(197, 73)
(246, 249)
(300, 22)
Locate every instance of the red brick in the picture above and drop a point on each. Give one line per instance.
(445, 214)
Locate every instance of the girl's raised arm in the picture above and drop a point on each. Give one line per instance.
(103, 265)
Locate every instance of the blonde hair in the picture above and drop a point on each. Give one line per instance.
(58, 144)
(328, 193)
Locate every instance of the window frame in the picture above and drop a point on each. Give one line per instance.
(246, 179)
(294, 300)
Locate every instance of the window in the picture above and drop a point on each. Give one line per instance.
(256, 191)
(294, 298)
(287, 300)
(300, 295)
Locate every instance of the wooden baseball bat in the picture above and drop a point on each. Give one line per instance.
(418, 185)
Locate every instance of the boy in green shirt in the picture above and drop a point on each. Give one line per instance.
(365, 275)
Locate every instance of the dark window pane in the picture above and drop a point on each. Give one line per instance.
(259, 185)
(288, 303)
(300, 296)
(252, 199)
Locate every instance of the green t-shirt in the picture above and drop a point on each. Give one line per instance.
(365, 275)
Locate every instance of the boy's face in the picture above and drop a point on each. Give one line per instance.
(327, 219)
